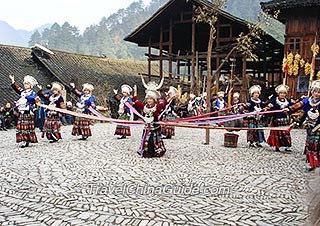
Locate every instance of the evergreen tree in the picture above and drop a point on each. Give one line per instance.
(69, 38)
(106, 38)
(35, 38)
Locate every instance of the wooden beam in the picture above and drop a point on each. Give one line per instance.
(154, 57)
(244, 80)
(218, 34)
(158, 58)
(193, 50)
(155, 44)
(198, 79)
(153, 76)
(216, 78)
(170, 49)
(181, 16)
(182, 21)
(228, 39)
(161, 52)
(225, 25)
(149, 60)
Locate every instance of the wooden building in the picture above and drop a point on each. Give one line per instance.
(180, 46)
(302, 20)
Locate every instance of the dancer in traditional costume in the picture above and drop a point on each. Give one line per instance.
(203, 102)
(124, 112)
(81, 126)
(26, 106)
(196, 105)
(220, 103)
(169, 114)
(237, 108)
(311, 108)
(192, 105)
(152, 144)
(52, 122)
(280, 138)
(255, 137)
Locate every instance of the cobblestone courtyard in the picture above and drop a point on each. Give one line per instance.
(103, 181)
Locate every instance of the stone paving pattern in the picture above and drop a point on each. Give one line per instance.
(82, 182)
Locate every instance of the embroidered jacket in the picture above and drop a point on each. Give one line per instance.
(27, 98)
(311, 109)
(84, 101)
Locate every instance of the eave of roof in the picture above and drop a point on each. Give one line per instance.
(288, 4)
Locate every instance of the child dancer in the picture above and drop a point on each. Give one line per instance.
(52, 122)
(192, 105)
(169, 114)
(278, 138)
(236, 109)
(255, 137)
(152, 144)
(81, 126)
(124, 112)
(311, 108)
(25, 105)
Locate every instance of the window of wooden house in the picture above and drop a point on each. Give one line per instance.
(294, 44)
(297, 47)
(291, 43)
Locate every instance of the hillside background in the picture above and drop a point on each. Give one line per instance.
(106, 37)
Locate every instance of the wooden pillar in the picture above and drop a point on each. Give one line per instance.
(193, 49)
(208, 90)
(217, 74)
(264, 65)
(161, 51)
(272, 78)
(170, 50)
(189, 71)
(198, 79)
(149, 61)
(244, 79)
(218, 58)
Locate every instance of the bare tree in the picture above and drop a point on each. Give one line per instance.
(245, 42)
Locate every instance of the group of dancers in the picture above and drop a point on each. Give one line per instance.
(27, 104)
(156, 107)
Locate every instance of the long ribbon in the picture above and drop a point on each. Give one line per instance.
(134, 110)
(207, 114)
(97, 113)
(226, 128)
(128, 123)
(210, 122)
(147, 130)
(234, 116)
(164, 110)
(92, 117)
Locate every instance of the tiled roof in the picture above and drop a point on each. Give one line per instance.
(77, 68)
(71, 67)
(66, 67)
(18, 62)
(288, 4)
